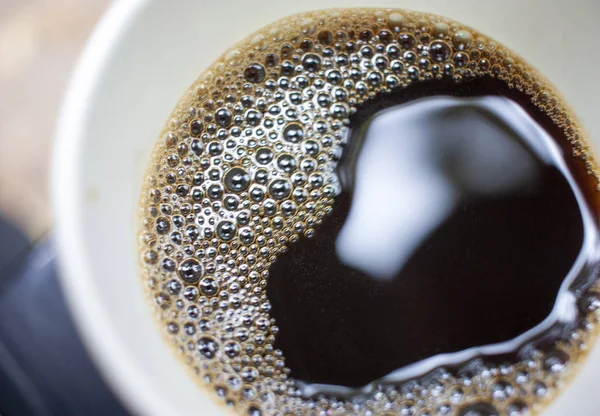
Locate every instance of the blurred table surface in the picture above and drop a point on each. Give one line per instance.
(40, 41)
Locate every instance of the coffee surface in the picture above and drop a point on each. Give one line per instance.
(366, 211)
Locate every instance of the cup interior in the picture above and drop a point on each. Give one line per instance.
(140, 60)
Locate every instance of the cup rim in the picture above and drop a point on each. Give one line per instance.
(75, 275)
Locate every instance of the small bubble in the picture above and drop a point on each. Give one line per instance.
(249, 374)
(163, 300)
(254, 411)
(280, 189)
(168, 265)
(311, 62)
(517, 408)
(215, 148)
(440, 29)
(385, 36)
(226, 230)
(590, 302)
(150, 257)
(191, 293)
(502, 390)
(190, 271)
(196, 128)
(257, 193)
(439, 51)
(264, 155)
(214, 191)
(293, 133)
(365, 35)
(325, 37)
(236, 180)
(209, 286)
(174, 286)
(406, 40)
(254, 73)
(172, 327)
(540, 389)
(208, 347)
(462, 39)
(287, 163)
(271, 60)
(246, 235)
(478, 409)
(223, 117)
(555, 361)
(395, 21)
(461, 59)
(162, 225)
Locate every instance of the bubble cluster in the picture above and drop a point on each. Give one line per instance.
(245, 167)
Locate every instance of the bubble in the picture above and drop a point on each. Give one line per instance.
(196, 128)
(325, 37)
(540, 389)
(517, 408)
(479, 409)
(311, 62)
(590, 302)
(191, 293)
(182, 190)
(215, 148)
(385, 36)
(226, 230)
(324, 99)
(209, 286)
(287, 163)
(236, 180)
(257, 193)
(246, 235)
(461, 59)
(439, 51)
(215, 191)
(462, 39)
(502, 390)
(440, 29)
(190, 271)
(407, 41)
(162, 225)
(174, 286)
(279, 189)
(293, 133)
(173, 327)
(208, 347)
(168, 265)
(555, 361)
(254, 411)
(254, 73)
(150, 257)
(249, 374)
(223, 117)
(163, 300)
(264, 155)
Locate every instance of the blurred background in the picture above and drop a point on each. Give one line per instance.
(44, 368)
(39, 44)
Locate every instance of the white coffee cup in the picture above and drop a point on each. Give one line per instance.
(139, 61)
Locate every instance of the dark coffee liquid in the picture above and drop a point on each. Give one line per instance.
(487, 272)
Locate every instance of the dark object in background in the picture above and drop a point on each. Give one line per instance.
(44, 368)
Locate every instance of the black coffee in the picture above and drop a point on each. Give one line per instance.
(373, 212)
(486, 273)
